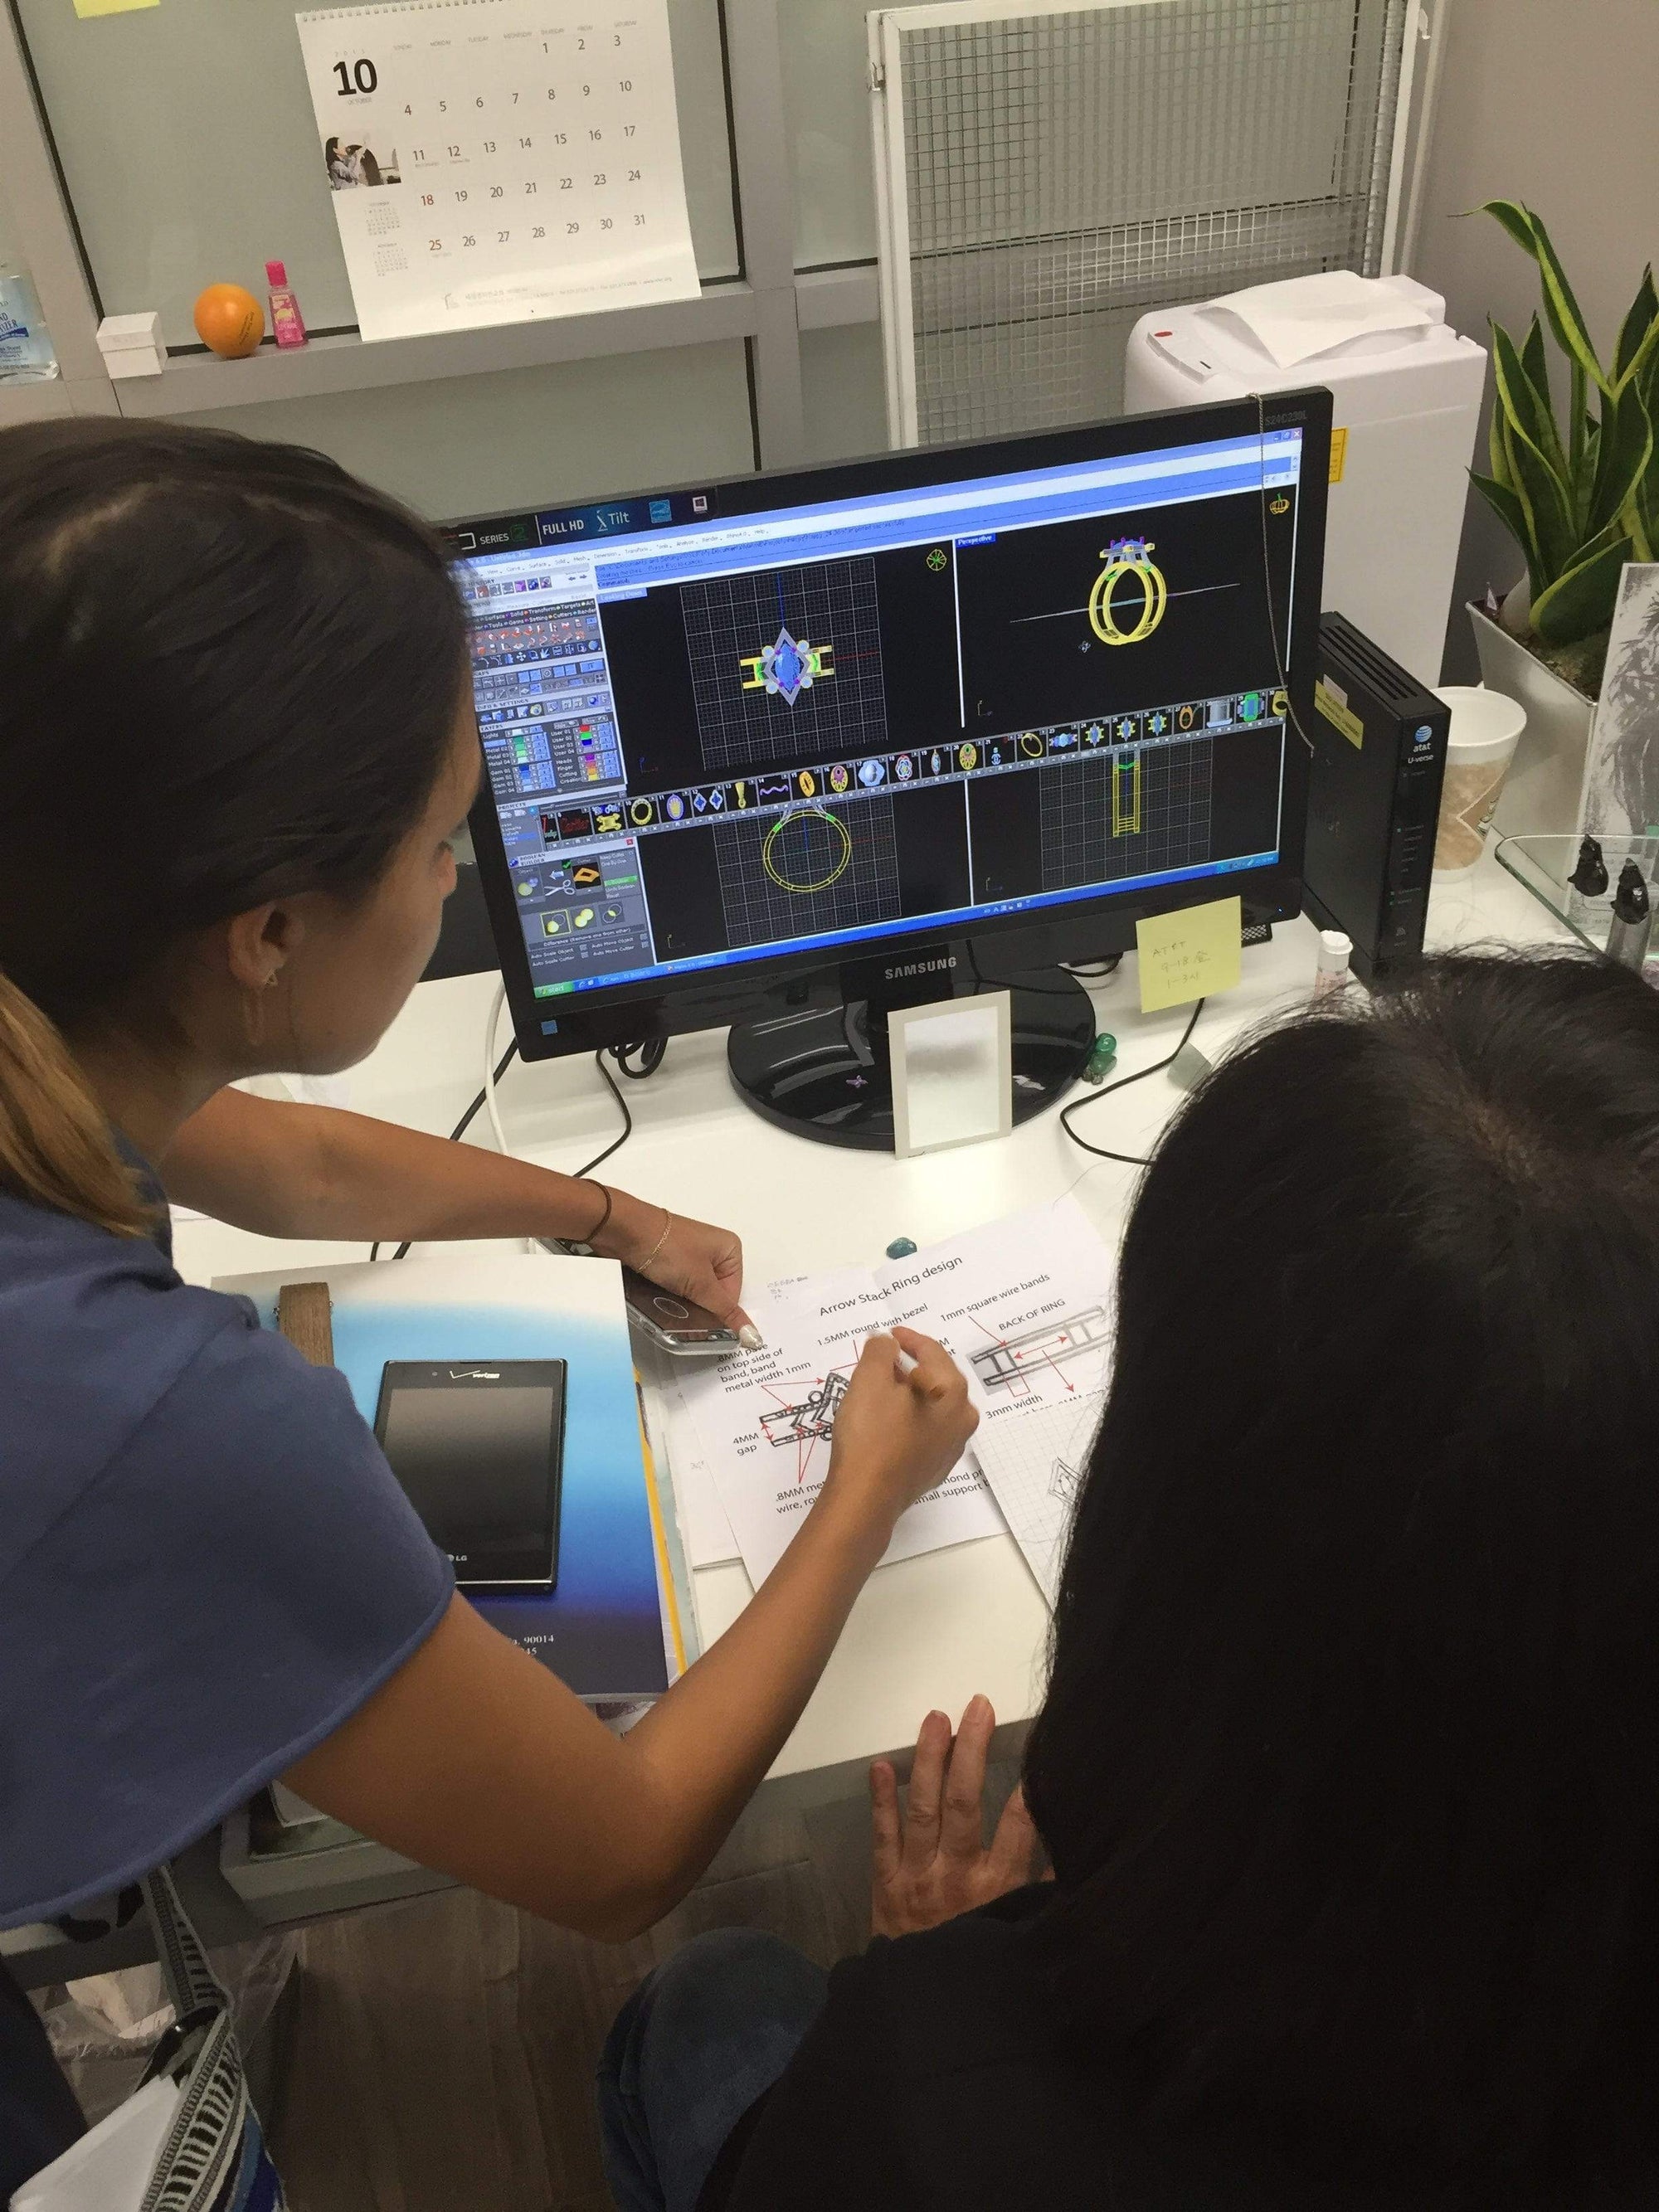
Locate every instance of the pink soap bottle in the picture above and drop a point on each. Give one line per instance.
(287, 324)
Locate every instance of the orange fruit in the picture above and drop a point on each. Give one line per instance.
(229, 321)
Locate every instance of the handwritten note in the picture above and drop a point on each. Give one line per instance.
(1189, 954)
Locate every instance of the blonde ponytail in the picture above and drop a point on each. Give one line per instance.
(55, 1144)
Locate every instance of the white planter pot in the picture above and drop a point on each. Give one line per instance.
(1541, 791)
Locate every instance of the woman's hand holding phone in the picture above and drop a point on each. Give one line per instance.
(694, 1259)
(901, 1427)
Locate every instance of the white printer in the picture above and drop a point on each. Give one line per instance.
(1407, 391)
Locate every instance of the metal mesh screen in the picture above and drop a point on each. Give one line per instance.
(1067, 172)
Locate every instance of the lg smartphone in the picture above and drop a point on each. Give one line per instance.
(478, 1446)
(675, 1324)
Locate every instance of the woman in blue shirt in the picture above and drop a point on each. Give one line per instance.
(236, 740)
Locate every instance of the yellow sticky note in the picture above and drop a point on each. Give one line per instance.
(1188, 955)
(1339, 440)
(112, 7)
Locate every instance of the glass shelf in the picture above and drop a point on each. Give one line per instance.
(1543, 864)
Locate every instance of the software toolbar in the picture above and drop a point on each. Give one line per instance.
(541, 685)
(529, 830)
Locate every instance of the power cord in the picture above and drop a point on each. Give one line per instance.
(1129, 1159)
(1267, 578)
(649, 1056)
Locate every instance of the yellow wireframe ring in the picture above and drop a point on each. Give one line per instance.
(1101, 619)
(837, 870)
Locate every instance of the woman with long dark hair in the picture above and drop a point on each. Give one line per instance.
(1349, 1762)
(236, 740)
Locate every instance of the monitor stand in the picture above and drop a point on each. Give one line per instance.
(824, 1072)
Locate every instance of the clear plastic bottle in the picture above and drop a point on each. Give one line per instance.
(1335, 951)
(26, 355)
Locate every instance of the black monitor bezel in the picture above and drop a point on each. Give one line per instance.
(1082, 929)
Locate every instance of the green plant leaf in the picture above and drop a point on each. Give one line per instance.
(1534, 358)
(1562, 312)
(1524, 404)
(1546, 500)
(1582, 600)
(1638, 324)
(1626, 447)
(1515, 218)
(1583, 480)
(1644, 361)
(1505, 504)
(1561, 309)
(1499, 457)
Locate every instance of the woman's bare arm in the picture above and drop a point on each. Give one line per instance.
(475, 1760)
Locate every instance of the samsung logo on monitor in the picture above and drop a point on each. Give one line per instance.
(918, 968)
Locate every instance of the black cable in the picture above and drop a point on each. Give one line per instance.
(1129, 1159)
(616, 1052)
(457, 1132)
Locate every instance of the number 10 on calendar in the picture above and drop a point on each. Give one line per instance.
(499, 160)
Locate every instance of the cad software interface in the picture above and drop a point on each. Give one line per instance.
(710, 739)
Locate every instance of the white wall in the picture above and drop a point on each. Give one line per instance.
(530, 437)
(1554, 102)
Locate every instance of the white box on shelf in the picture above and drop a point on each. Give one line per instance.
(131, 345)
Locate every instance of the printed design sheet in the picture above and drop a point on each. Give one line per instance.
(497, 160)
(1023, 1305)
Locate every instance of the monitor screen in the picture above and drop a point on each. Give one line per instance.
(719, 733)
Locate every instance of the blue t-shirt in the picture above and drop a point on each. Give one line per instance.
(206, 1565)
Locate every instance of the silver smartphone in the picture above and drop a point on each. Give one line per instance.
(675, 1324)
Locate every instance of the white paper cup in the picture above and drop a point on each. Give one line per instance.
(1486, 728)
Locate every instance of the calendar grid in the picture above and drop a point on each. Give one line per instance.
(498, 161)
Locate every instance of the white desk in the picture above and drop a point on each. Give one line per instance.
(926, 1632)
(930, 1631)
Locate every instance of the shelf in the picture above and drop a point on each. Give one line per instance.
(195, 384)
(1544, 862)
(198, 383)
(33, 403)
(828, 299)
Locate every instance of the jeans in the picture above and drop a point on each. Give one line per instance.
(688, 2053)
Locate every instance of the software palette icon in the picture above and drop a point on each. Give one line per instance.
(786, 667)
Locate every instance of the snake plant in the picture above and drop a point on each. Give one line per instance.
(1583, 501)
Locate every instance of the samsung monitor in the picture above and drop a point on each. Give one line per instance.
(786, 751)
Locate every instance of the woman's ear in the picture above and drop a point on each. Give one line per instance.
(259, 944)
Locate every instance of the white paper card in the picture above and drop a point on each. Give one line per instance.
(952, 1073)
(498, 161)
(1621, 766)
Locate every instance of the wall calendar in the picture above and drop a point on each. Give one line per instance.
(498, 161)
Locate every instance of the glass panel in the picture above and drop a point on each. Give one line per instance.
(188, 143)
(844, 393)
(826, 97)
(1547, 864)
(529, 437)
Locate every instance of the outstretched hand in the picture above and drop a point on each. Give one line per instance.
(932, 1864)
(695, 1261)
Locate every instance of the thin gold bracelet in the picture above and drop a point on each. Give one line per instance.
(668, 1224)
